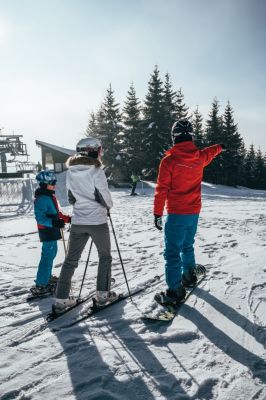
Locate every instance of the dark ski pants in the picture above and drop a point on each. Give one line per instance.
(179, 234)
(79, 236)
(49, 251)
(134, 185)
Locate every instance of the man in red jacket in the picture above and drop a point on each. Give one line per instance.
(179, 188)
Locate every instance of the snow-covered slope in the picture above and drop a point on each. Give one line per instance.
(214, 348)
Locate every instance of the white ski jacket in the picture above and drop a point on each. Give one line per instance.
(88, 191)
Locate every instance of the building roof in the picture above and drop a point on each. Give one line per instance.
(54, 147)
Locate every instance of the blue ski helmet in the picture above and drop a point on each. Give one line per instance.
(47, 177)
(182, 126)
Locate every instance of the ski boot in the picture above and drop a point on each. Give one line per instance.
(53, 279)
(103, 298)
(171, 296)
(189, 278)
(53, 283)
(61, 305)
(40, 290)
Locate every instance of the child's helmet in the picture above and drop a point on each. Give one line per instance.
(47, 177)
(182, 126)
(89, 147)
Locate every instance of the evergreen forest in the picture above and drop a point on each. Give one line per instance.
(136, 135)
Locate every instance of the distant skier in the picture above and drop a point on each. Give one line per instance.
(179, 188)
(91, 199)
(38, 166)
(134, 179)
(49, 221)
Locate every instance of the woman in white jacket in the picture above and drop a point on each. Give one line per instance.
(91, 199)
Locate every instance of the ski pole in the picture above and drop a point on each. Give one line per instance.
(109, 215)
(87, 262)
(64, 242)
(68, 240)
(66, 248)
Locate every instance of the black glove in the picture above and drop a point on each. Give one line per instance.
(223, 146)
(71, 198)
(58, 223)
(158, 222)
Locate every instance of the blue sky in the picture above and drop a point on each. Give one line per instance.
(57, 57)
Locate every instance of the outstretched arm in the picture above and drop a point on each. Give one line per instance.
(209, 153)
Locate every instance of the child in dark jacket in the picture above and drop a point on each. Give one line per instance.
(50, 221)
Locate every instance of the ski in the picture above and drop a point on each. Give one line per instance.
(53, 315)
(93, 309)
(33, 297)
(168, 312)
(29, 296)
(46, 322)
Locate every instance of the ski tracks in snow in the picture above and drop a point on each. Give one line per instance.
(213, 350)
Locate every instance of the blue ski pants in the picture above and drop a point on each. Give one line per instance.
(49, 251)
(179, 233)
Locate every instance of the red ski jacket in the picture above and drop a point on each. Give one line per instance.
(179, 179)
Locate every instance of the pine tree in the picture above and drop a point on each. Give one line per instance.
(181, 110)
(259, 171)
(109, 126)
(92, 125)
(264, 163)
(169, 96)
(249, 167)
(198, 131)
(139, 143)
(213, 172)
(133, 134)
(154, 124)
(213, 124)
(232, 158)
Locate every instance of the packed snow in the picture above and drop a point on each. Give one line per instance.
(213, 349)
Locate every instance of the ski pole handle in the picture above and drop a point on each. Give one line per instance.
(64, 242)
